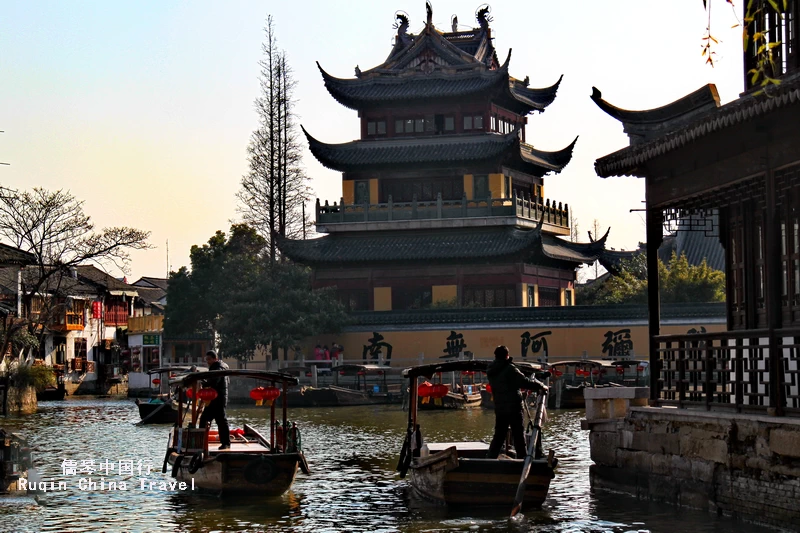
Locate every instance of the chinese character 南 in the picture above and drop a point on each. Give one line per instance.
(537, 343)
(455, 345)
(618, 343)
(373, 349)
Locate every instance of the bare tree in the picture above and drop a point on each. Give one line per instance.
(54, 228)
(275, 189)
(574, 228)
(593, 236)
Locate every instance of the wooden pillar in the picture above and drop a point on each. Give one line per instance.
(772, 293)
(654, 238)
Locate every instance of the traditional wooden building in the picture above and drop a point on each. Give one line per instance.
(739, 164)
(442, 197)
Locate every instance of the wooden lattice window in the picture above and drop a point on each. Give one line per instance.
(787, 185)
(737, 303)
(780, 31)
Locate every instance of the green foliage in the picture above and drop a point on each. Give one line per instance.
(234, 292)
(39, 376)
(679, 282)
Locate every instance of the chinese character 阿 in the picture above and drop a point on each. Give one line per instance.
(454, 346)
(618, 343)
(537, 343)
(373, 350)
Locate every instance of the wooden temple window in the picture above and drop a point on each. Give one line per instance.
(425, 190)
(549, 297)
(737, 304)
(760, 270)
(361, 192)
(377, 127)
(787, 184)
(473, 122)
(780, 31)
(480, 187)
(412, 297)
(354, 299)
(492, 296)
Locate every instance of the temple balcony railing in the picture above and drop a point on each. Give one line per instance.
(521, 211)
(729, 371)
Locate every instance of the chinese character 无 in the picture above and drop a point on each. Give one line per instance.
(618, 343)
(373, 350)
(69, 467)
(454, 346)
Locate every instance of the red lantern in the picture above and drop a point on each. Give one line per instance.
(206, 394)
(154, 350)
(361, 373)
(439, 391)
(257, 393)
(640, 368)
(558, 373)
(467, 373)
(190, 393)
(156, 381)
(489, 389)
(341, 373)
(595, 372)
(271, 394)
(620, 370)
(424, 389)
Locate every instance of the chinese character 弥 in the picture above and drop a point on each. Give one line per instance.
(618, 343)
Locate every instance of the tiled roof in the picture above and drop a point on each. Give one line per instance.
(10, 255)
(510, 315)
(150, 295)
(145, 281)
(627, 162)
(440, 149)
(103, 279)
(462, 245)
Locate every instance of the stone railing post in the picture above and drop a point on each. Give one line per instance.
(464, 204)
(341, 209)
(317, 210)
(438, 205)
(390, 207)
(414, 206)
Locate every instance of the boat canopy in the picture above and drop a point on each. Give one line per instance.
(449, 366)
(295, 369)
(582, 362)
(367, 369)
(253, 374)
(166, 369)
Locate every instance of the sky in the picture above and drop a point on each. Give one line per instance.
(144, 109)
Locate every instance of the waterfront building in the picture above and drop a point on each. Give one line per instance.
(443, 198)
(730, 170)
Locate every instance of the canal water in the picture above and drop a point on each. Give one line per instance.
(352, 452)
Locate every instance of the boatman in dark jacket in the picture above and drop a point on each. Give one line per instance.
(216, 409)
(506, 381)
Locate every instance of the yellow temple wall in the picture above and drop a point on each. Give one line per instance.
(383, 298)
(373, 191)
(468, 186)
(348, 192)
(496, 185)
(444, 293)
(563, 343)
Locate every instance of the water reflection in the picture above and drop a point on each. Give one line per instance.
(352, 453)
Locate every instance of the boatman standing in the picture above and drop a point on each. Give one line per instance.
(215, 410)
(506, 381)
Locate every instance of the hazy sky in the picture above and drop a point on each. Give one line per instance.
(144, 109)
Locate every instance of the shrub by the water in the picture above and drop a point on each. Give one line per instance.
(38, 376)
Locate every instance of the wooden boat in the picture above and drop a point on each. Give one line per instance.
(459, 395)
(361, 390)
(161, 407)
(571, 378)
(458, 473)
(254, 464)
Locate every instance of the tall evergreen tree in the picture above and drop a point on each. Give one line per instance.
(275, 188)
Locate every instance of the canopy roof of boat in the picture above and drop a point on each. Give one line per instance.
(582, 362)
(449, 366)
(367, 369)
(253, 374)
(166, 369)
(296, 368)
(629, 362)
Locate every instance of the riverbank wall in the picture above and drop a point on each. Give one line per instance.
(21, 400)
(742, 465)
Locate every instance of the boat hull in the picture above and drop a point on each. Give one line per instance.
(230, 472)
(160, 415)
(453, 401)
(447, 479)
(51, 394)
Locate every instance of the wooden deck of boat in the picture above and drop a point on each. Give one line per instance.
(238, 447)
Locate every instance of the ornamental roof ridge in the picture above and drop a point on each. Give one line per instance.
(555, 161)
(627, 161)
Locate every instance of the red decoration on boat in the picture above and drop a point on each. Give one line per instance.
(341, 373)
(190, 393)
(489, 389)
(271, 393)
(467, 372)
(640, 368)
(361, 373)
(257, 393)
(620, 370)
(558, 373)
(439, 390)
(156, 381)
(595, 372)
(424, 390)
(238, 432)
(206, 394)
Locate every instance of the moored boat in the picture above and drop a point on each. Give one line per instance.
(254, 463)
(571, 378)
(458, 473)
(53, 393)
(461, 395)
(161, 407)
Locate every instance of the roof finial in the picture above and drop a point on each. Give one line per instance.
(429, 9)
(402, 28)
(358, 72)
(483, 17)
(454, 22)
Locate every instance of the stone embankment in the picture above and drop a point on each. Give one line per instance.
(744, 465)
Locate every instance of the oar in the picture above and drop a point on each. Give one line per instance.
(526, 467)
